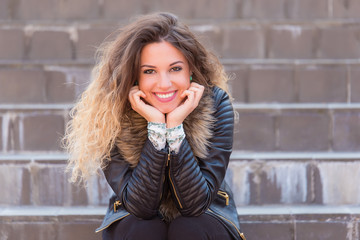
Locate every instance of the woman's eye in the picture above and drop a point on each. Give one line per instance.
(176, 69)
(149, 71)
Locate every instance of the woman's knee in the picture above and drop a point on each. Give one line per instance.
(201, 227)
(133, 228)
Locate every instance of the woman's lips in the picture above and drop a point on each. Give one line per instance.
(166, 96)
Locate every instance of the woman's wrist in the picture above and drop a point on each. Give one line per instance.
(159, 119)
(172, 124)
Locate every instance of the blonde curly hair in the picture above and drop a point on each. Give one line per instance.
(97, 116)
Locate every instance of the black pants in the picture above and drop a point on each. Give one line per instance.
(202, 227)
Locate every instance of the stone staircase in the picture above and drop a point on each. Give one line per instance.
(295, 67)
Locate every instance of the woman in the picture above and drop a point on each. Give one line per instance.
(158, 121)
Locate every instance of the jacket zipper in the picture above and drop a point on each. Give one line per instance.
(163, 179)
(172, 184)
(240, 233)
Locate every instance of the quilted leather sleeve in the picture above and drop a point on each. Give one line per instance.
(196, 181)
(139, 189)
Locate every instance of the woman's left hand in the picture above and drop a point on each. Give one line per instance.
(193, 96)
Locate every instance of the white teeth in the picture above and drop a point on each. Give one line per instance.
(165, 95)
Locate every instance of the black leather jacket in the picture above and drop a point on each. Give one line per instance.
(197, 185)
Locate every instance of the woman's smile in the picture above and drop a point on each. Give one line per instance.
(166, 97)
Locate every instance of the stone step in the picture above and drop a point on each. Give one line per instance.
(258, 39)
(262, 81)
(50, 223)
(263, 222)
(259, 127)
(57, 10)
(300, 222)
(256, 179)
(295, 178)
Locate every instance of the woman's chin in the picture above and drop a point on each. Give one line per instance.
(166, 110)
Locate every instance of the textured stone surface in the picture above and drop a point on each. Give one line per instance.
(90, 39)
(56, 227)
(346, 8)
(309, 9)
(316, 187)
(255, 132)
(12, 44)
(15, 180)
(322, 84)
(332, 38)
(115, 9)
(355, 83)
(35, 86)
(342, 183)
(49, 185)
(58, 89)
(271, 84)
(81, 9)
(238, 177)
(28, 230)
(50, 45)
(5, 9)
(280, 231)
(45, 183)
(346, 130)
(305, 131)
(214, 9)
(263, 9)
(291, 41)
(11, 134)
(238, 82)
(282, 182)
(262, 182)
(211, 36)
(22, 86)
(42, 132)
(34, 9)
(246, 41)
(79, 230)
(323, 231)
(1, 134)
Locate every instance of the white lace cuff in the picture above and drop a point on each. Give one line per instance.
(174, 137)
(157, 134)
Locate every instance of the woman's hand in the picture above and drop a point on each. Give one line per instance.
(193, 96)
(150, 113)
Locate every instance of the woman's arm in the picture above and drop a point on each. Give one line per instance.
(194, 183)
(138, 189)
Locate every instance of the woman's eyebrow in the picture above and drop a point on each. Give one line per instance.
(148, 66)
(176, 63)
(151, 66)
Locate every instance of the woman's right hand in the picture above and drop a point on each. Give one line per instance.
(150, 113)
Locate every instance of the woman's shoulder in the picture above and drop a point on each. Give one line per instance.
(219, 95)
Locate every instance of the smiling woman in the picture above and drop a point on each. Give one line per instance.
(158, 120)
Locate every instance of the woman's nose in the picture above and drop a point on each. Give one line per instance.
(164, 81)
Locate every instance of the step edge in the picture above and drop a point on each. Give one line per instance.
(27, 211)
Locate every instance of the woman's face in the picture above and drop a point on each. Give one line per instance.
(164, 75)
